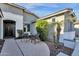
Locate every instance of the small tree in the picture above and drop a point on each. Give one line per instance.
(54, 35)
(58, 29)
(42, 29)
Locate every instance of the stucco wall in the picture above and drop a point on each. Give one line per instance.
(33, 29)
(10, 8)
(76, 26)
(12, 13)
(28, 19)
(69, 26)
(60, 18)
(52, 28)
(19, 16)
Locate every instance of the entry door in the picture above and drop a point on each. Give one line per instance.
(9, 30)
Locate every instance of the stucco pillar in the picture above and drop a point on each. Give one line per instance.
(51, 30)
(66, 22)
(33, 29)
(1, 27)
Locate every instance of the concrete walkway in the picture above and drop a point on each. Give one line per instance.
(10, 48)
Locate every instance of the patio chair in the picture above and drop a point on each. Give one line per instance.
(75, 52)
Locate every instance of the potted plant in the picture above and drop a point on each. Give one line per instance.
(20, 33)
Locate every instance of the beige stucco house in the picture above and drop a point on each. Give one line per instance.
(66, 15)
(14, 17)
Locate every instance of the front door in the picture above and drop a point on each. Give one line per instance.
(9, 29)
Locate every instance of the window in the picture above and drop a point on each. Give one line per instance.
(28, 27)
(53, 19)
(24, 29)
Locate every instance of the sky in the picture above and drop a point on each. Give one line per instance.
(43, 9)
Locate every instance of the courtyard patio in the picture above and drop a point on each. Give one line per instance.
(21, 47)
(32, 46)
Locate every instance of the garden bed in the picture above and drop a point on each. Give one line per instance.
(54, 51)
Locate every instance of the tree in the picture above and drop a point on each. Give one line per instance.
(42, 29)
(58, 25)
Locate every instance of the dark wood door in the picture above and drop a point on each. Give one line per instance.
(9, 29)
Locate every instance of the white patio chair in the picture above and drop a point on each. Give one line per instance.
(75, 52)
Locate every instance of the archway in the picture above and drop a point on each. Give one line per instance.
(9, 28)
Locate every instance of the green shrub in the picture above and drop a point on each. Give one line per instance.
(42, 29)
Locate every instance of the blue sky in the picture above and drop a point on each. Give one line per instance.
(43, 9)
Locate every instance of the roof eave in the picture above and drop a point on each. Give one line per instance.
(18, 6)
(27, 11)
(58, 13)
